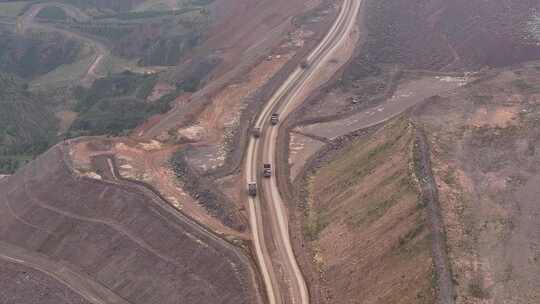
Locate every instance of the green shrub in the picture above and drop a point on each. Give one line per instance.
(117, 104)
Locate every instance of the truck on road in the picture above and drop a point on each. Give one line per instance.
(252, 189)
(304, 64)
(267, 170)
(256, 132)
(274, 119)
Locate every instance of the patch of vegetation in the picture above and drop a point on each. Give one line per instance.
(27, 126)
(408, 238)
(31, 56)
(189, 80)
(525, 86)
(485, 136)
(117, 104)
(449, 178)
(148, 14)
(121, 85)
(314, 224)
(52, 13)
(361, 158)
(12, 9)
(104, 5)
(111, 31)
(476, 289)
(154, 42)
(481, 99)
(378, 205)
(200, 2)
(146, 86)
(374, 211)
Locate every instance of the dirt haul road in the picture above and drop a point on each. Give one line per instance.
(284, 101)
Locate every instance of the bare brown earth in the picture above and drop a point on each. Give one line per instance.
(22, 284)
(484, 141)
(147, 162)
(121, 235)
(365, 227)
(245, 26)
(447, 35)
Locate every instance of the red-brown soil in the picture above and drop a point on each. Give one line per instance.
(244, 24)
(484, 144)
(364, 226)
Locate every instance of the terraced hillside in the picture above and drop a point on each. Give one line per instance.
(122, 237)
(21, 284)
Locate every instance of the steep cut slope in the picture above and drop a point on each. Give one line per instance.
(449, 35)
(123, 237)
(485, 141)
(369, 235)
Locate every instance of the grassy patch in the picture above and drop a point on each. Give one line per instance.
(27, 126)
(525, 86)
(314, 224)
(148, 14)
(384, 196)
(117, 104)
(12, 9)
(449, 178)
(477, 290)
(412, 234)
(374, 210)
(63, 75)
(52, 13)
(481, 99)
(360, 159)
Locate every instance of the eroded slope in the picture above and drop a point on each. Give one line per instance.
(485, 152)
(368, 234)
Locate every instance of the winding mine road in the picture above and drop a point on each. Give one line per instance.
(263, 150)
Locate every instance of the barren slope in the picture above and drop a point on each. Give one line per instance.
(485, 151)
(124, 238)
(22, 284)
(438, 34)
